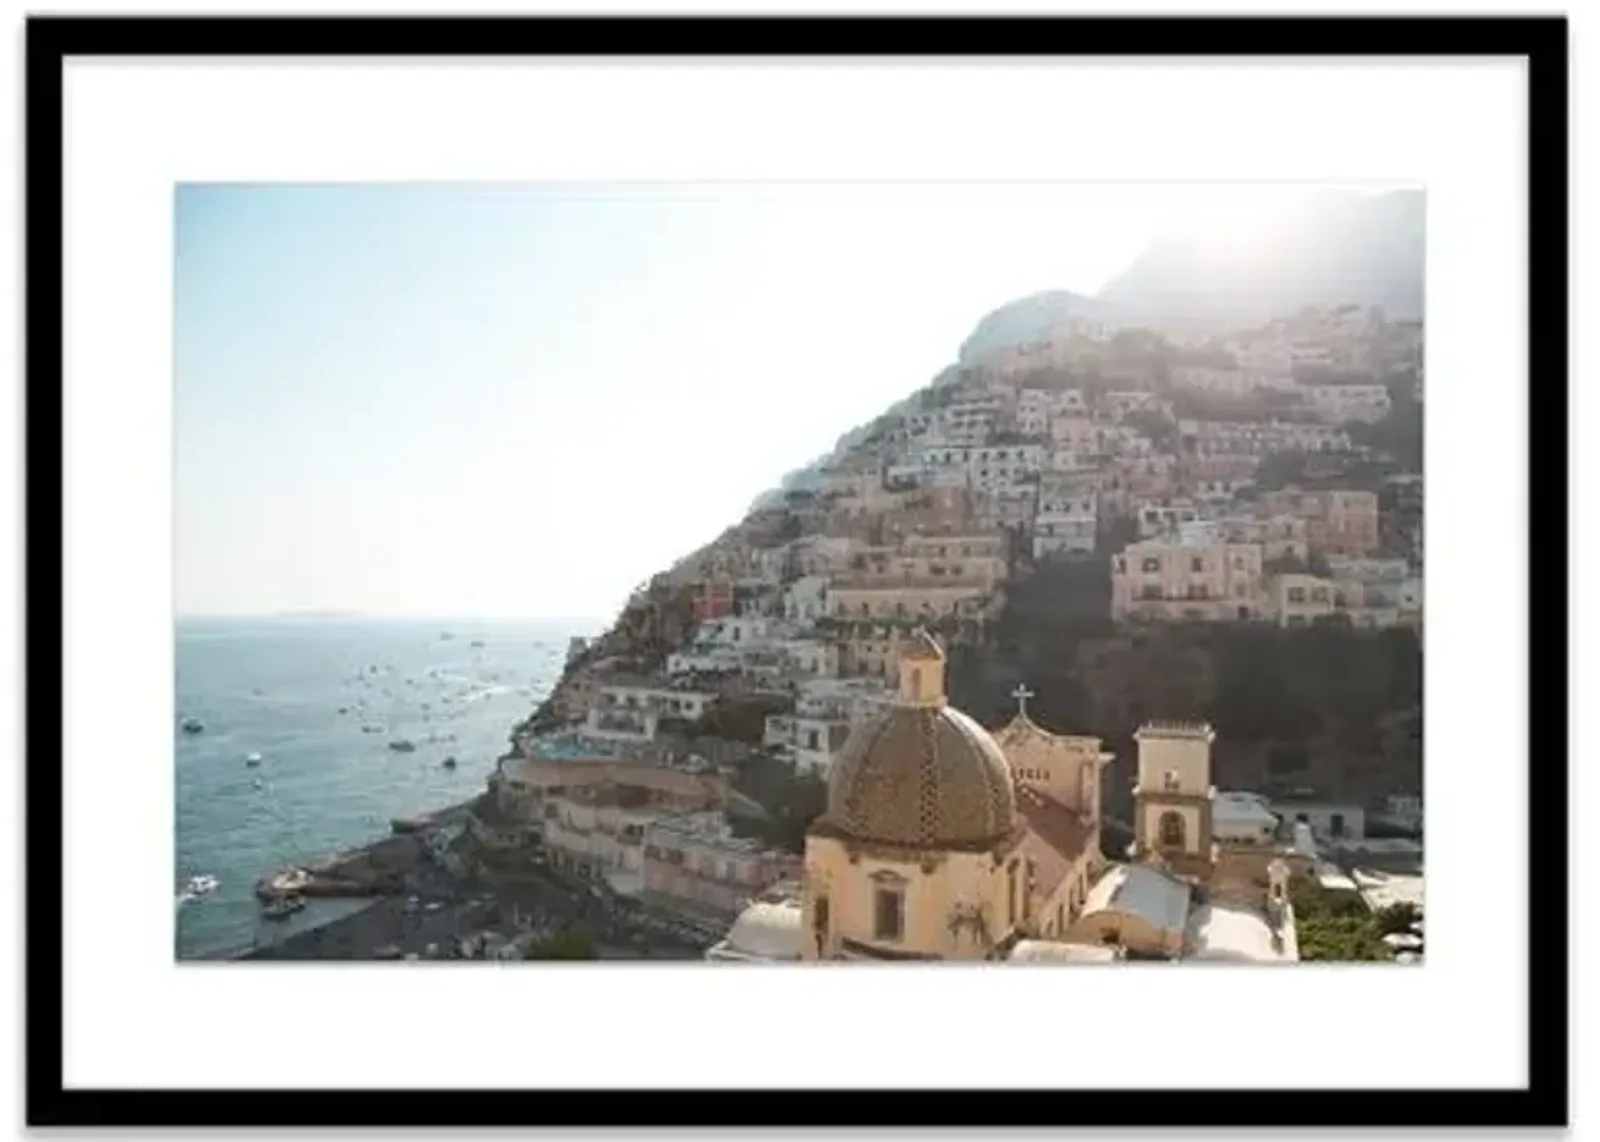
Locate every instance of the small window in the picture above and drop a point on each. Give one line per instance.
(1152, 565)
(888, 914)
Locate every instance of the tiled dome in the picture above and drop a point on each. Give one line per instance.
(923, 777)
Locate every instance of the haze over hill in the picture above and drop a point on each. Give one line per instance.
(1316, 248)
(1321, 249)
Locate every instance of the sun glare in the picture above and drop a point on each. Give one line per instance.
(1235, 223)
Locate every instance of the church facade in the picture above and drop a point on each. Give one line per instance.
(942, 841)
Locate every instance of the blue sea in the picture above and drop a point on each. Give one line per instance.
(277, 687)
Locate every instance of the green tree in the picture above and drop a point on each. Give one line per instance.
(1396, 918)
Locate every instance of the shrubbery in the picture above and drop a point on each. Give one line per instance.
(1335, 924)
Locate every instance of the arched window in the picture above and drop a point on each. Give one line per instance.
(1171, 830)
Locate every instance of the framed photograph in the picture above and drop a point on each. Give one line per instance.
(527, 517)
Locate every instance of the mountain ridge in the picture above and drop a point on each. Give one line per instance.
(1337, 247)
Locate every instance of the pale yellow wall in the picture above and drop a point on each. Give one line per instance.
(901, 567)
(869, 656)
(905, 601)
(1213, 580)
(1152, 812)
(1066, 769)
(922, 681)
(1302, 599)
(930, 896)
(1189, 758)
(1057, 914)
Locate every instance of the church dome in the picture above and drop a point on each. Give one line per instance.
(921, 774)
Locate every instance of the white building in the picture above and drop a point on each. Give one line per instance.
(1386, 584)
(1341, 403)
(703, 658)
(971, 420)
(1033, 412)
(768, 931)
(1066, 523)
(1243, 819)
(632, 712)
(1222, 933)
(1329, 822)
(817, 742)
(1219, 492)
(806, 599)
(812, 658)
(1162, 518)
(1006, 507)
(1006, 460)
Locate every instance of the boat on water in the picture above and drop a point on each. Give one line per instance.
(283, 907)
(252, 759)
(448, 763)
(403, 745)
(193, 726)
(201, 885)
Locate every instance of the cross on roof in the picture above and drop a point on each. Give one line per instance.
(1022, 694)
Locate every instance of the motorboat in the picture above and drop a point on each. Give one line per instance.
(193, 726)
(201, 885)
(448, 763)
(252, 759)
(403, 745)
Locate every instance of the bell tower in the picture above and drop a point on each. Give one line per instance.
(921, 671)
(1173, 797)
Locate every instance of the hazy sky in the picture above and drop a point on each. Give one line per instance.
(478, 401)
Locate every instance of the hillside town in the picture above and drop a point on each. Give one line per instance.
(767, 752)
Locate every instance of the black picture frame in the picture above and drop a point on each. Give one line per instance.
(1542, 41)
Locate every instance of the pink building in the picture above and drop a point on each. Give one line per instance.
(695, 860)
(1341, 522)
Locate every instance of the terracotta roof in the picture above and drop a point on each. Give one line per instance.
(1054, 838)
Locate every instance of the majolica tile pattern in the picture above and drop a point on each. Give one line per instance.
(925, 777)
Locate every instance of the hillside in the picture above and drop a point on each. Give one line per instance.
(1029, 319)
(825, 573)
